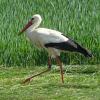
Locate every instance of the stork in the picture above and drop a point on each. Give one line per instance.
(51, 40)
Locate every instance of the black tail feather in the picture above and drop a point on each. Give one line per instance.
(83, 51)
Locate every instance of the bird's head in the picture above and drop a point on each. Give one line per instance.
(33, 23)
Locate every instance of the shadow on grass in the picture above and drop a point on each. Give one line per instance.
(75, 86)
(83, 72)
(78, 86)
(81, 69)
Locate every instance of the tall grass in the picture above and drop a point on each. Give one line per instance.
(77, 19)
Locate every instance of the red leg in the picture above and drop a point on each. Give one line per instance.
(49, 63)
(30, 78)
(60, 64)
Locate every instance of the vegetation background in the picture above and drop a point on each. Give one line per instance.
(77, 19)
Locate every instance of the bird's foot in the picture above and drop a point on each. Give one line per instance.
(27, 80)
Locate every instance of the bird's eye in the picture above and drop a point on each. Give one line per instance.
(32, 19)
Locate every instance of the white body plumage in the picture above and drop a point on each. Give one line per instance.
(42, 36)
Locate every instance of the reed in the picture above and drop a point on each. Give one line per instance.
(75, 18)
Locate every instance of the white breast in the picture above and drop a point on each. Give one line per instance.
(34, 39)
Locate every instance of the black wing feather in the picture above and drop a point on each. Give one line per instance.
(69, 45)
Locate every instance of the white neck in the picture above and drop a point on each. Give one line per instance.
(34, 26)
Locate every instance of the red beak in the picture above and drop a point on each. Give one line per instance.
(26, 27)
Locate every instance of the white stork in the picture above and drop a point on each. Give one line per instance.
(53, 41)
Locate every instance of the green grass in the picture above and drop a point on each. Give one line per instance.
(75, 18)
(81, 83)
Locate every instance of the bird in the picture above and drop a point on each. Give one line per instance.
(53, 41)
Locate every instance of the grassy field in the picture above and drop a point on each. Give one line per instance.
(81, 83)
(78, 19)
